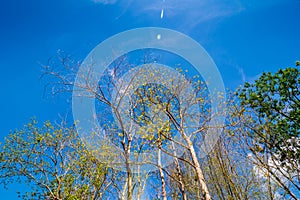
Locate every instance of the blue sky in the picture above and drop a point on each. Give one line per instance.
(244, 37)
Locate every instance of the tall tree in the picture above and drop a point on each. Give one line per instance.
(168, 111)
(270, 116)
(153, 108)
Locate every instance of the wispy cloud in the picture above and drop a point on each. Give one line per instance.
(192, 12)
(105, 1)
(244, 77)
(241, 73)
(189, 12)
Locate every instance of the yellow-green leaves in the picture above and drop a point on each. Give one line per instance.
(53, 160)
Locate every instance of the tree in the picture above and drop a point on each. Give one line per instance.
(227, 169)
(270, 114)
(153, 129)
(151, 106)
(54, 162)
(229, 172)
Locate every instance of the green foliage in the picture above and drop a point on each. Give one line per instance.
(275, 98)
(270, 124)
(53, 161)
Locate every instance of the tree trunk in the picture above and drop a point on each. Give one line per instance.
(162, 177)
(203, 186)
(178, 169)
(129, 172)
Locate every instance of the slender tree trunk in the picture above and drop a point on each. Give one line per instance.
(139, 182)
(178, 169)
(129, 172)
(203, 186)
(162, 177)
(129, 185)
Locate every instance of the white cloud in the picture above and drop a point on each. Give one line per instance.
(105, 1)
(275, 166)
(189, 12)
(241, 73)
(192, 12)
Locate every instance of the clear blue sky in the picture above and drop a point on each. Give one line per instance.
(244, 37)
